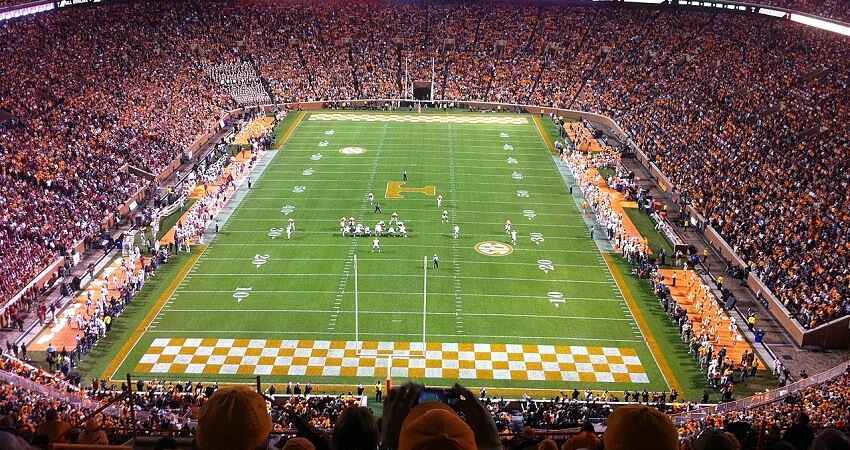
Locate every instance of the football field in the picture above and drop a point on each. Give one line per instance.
(543, 312)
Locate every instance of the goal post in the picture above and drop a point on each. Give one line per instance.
(377, 352)
(356, 310)
(424, 299)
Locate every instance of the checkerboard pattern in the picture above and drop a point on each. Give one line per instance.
(411, 118)
(439, 360)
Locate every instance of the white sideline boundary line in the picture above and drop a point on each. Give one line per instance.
(452, 336)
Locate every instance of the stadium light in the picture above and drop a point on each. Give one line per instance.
(822, 24)
(773, 12)
(25, 11)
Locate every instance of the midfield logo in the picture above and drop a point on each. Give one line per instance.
(395, 189)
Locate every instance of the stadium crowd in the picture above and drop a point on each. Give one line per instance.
(748, 124)
(168, 407)
(757, 122)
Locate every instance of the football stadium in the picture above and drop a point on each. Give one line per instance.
(382, 224)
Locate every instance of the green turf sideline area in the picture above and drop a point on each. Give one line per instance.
(543, 313)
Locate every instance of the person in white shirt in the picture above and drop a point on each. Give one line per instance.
(288, 232)
(439, 201)
(402, 229)
(445, 216)
(507, 227)
(376, 245)
(513, 237)
(457, 231)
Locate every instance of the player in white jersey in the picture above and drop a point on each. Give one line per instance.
(439, 201)
(292, 223)
(288, 232)
(342, 225)
(513, 237)
(402, 229)
(376, 244)
(445, 216)
(457, 231)
(508, 226)
(371, 198)
(379, 228)
(393, 218)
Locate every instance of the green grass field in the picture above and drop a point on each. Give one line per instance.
(546, 315)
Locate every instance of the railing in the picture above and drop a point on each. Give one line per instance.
(765, 397)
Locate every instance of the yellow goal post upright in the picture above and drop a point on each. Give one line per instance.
(390, 354)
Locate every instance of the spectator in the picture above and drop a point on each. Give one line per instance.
(9, 441)
(435, 425)
(53, 427)
(356, 429)
(831, 439)
(234, 418)
(298, 443)
(586, 438)
(637, 427)
(716, 439)
(408, 426)
(547, 444)
(801, 434)
(92, 434)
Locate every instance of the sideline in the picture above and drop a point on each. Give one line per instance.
(542, 132)
(111, 370)
(134, 338)
(663, 364)
(291, 129)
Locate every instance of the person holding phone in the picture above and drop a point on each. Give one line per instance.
(416, 418)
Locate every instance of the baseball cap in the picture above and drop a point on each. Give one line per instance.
(639, 427)
(433, 425)
(234, 418)
(298, 443)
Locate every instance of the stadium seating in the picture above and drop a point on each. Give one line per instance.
(747, 123)
(701, 111)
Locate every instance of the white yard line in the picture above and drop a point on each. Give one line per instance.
(401, 313)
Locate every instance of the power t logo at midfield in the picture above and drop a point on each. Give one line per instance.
(395, 189)
(493, 248)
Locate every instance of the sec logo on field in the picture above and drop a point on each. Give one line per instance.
(493, 248)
